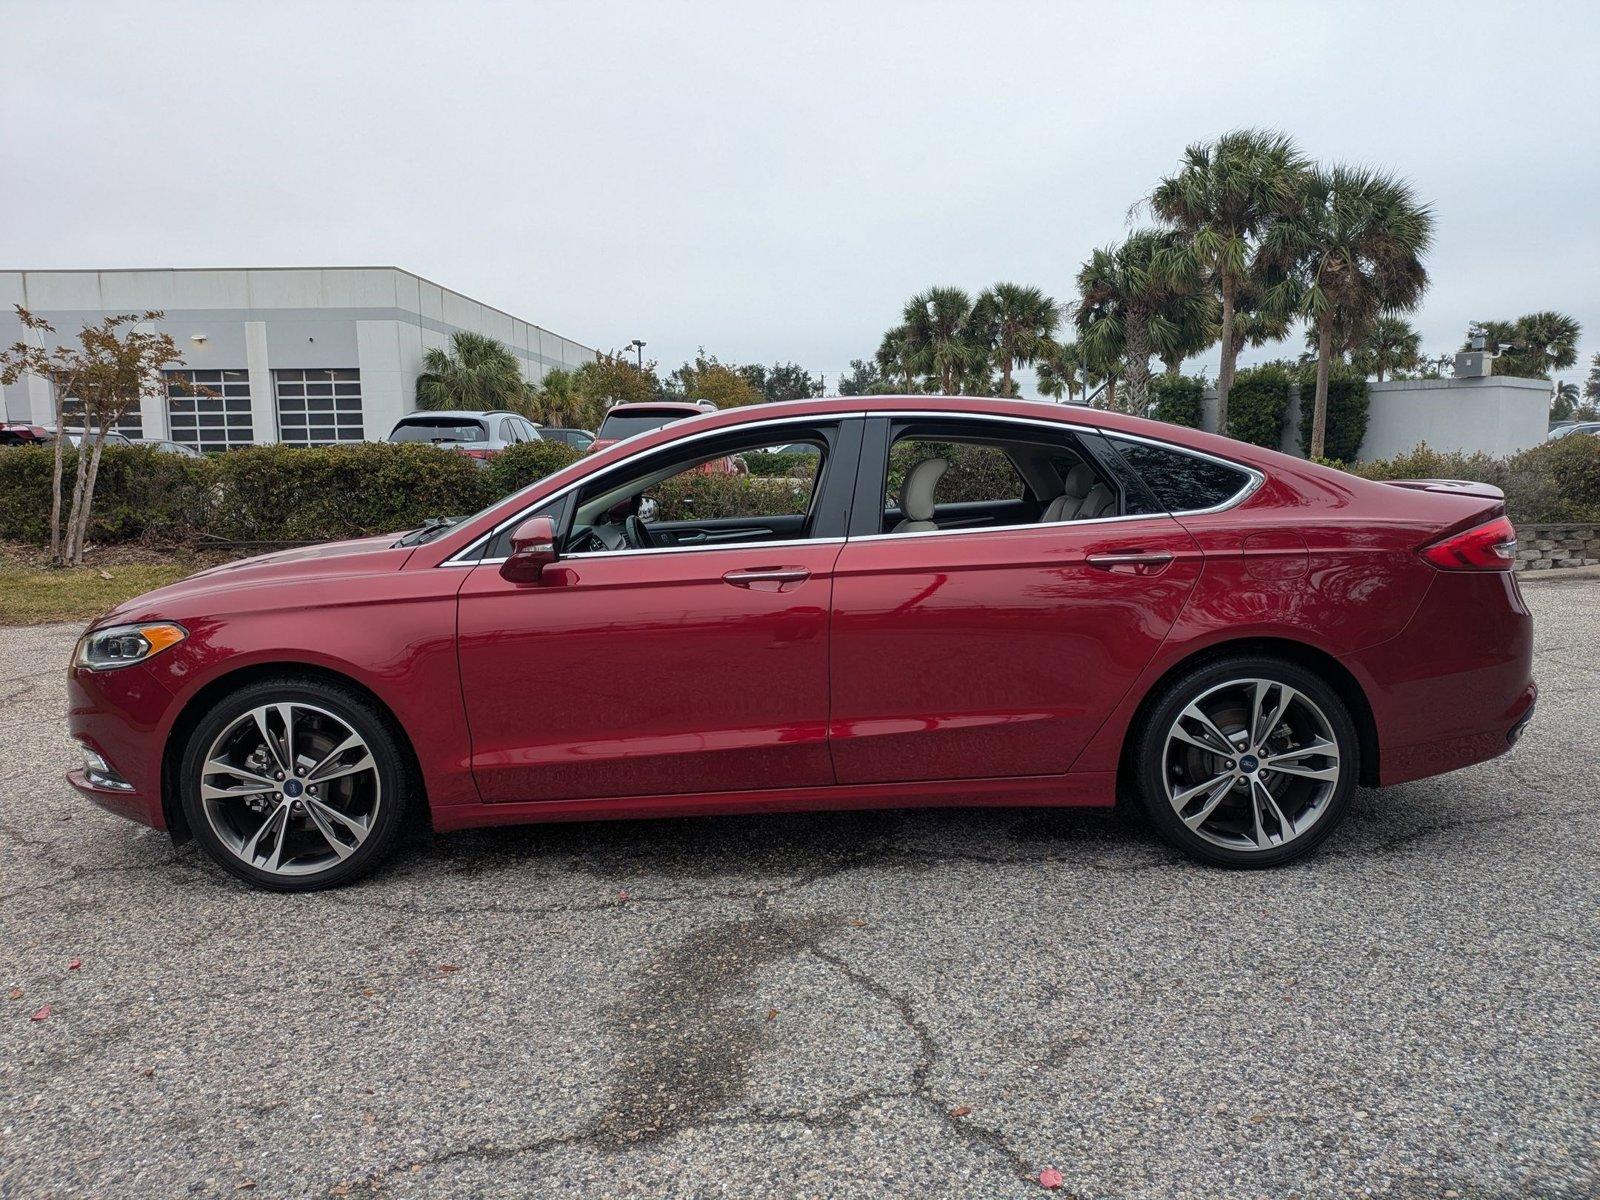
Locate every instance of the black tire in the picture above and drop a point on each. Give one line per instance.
(392, 764)
(1150, 758)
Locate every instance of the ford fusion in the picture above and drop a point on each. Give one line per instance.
(909, 601)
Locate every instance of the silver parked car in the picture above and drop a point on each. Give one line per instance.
(479, 435)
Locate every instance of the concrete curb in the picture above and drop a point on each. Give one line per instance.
(1559, 575)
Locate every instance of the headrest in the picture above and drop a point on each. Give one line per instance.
(1078, 482)
(916, 493)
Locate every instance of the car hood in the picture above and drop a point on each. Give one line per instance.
(195, 594)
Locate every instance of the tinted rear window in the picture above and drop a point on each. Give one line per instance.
(438, 429)
(1182, 482)
(617, 426)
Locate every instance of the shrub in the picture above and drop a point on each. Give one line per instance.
(1179, 399)
(777, 464)
(1553, 482)
(528, 462)
(1346, 425)
(1258, 403)
(703, 496)
(291, 494)
(140, 493)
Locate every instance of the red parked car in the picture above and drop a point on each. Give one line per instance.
(1085, 604)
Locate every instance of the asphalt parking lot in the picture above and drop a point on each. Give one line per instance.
(936, 1003)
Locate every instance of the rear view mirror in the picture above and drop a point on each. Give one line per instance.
(533, 548)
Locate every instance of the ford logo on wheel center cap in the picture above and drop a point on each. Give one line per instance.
(292, 788)
(1248, 764)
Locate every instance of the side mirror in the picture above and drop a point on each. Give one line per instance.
(533, 548)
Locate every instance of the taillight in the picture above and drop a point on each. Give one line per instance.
(481, 455)
(1489, 547)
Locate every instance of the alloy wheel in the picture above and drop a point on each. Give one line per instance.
(290, 788)
(1251, 764)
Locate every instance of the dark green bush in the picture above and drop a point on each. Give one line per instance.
(697, 495)
(528, 462)
(1346, 426)
(1179, 399)
(781, 465)
(290, 494)
(140, 493)
(1258, 403)
(1553, 482)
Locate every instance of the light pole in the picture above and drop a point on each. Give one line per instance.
(638, 352)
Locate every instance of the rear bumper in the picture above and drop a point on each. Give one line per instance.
(1455, 687)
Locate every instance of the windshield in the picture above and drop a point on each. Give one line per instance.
(617, 426)
(439, 429)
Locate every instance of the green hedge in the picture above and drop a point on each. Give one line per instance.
(1346, 426)
(257, 494)
(1258, 404)
(528, 462)
(1179, 399)
(1552, 483)
(703, 496)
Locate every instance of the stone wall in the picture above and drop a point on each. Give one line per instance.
(1543, 547)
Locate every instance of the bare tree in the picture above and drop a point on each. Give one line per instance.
(113, 367)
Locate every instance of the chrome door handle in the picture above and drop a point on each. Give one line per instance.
(779, 575)
(1145, 562)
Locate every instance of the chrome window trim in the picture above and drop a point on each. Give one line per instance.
(1255, 480)
(631, 553)
(457, 559)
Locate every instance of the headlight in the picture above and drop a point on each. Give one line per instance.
(123, 645)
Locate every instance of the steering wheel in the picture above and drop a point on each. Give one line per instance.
(637, 533)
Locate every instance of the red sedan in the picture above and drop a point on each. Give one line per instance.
(941, 602)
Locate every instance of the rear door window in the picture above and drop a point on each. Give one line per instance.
(1183, 482)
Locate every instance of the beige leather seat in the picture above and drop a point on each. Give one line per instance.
(1100, 502)
(1065, 506)
(916, 495)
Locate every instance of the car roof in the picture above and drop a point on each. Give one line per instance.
(688, 407)
(449, 413)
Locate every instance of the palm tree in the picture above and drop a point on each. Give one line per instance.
(1390, 344)
(1564, 399)
(1353, 249)
(1127, 291)
(1189, 323)
(1062, 370)
(895, 358)
(477, 372)
(939, 331)
(1547, 342)
(1015, 323)
(1223, 198)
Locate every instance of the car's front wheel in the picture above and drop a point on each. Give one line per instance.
(1247, 762)
(295, 784)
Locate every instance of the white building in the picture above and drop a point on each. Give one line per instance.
(301, 355)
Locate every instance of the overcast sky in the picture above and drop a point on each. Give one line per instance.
(772, 182)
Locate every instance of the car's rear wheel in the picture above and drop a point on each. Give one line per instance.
(295, 785)
(1250, 761)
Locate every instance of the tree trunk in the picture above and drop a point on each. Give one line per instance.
(1230, 352)
(70, 550)
(55, 481)
(1136, 352)
(1319, 413)
(82, 534)
(1005, 376)
(1111, 393)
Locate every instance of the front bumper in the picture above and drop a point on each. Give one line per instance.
(122, 716)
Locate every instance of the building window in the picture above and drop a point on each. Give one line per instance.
(319, 407)
(209, 410)
(130, 424)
